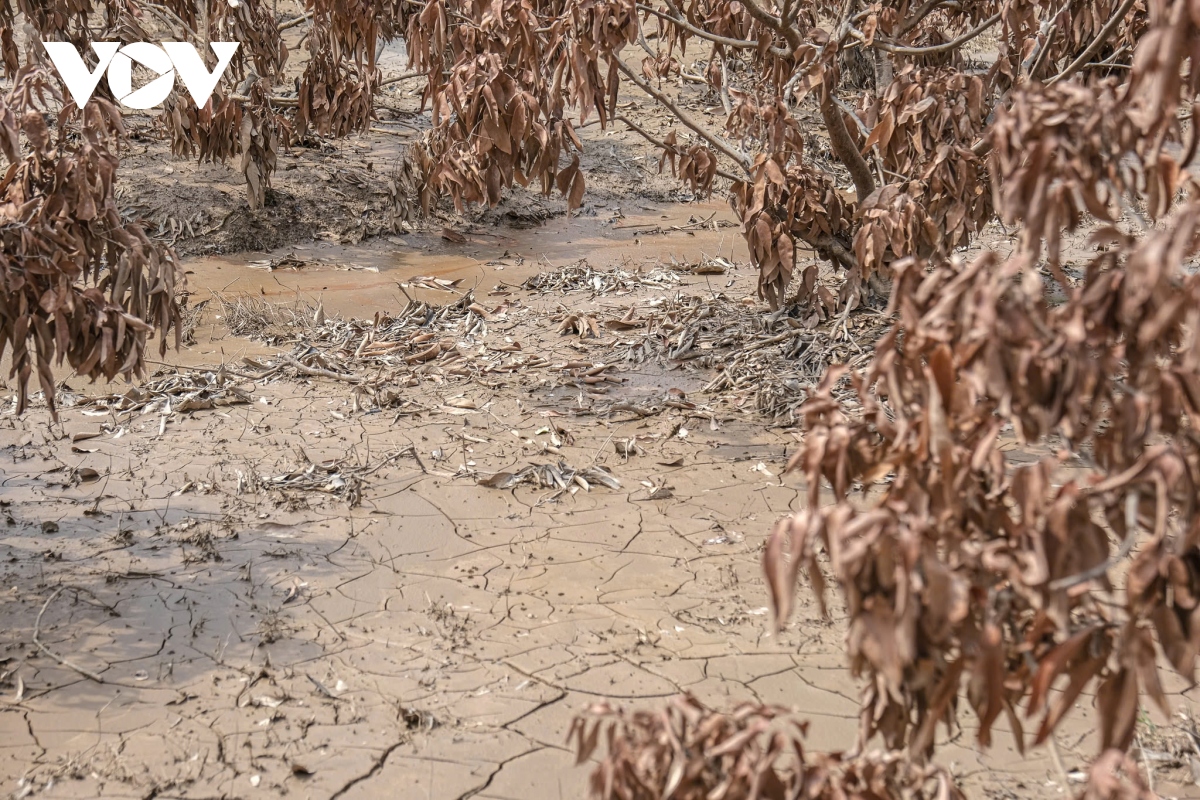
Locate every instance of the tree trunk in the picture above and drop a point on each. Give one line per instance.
(844, 147)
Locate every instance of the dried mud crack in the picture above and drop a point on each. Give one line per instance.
(285, 578)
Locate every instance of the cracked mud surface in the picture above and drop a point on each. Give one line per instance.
(175, 629)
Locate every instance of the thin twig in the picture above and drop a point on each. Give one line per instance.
(683, 116)
(1058, 763)
(1146, 765)
(404, 77)
(37, 629)
(321, 373)
(286, 102)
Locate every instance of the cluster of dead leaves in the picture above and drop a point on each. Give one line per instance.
(1067, 151)
(689, 751)
(500, 78)
(779, 205)
(697, 164)
(924, 126)
(975, 578)
(224, 128)
(336, 93)
(76, 280)
(1112, 370)
(253, 26)
(1065, 31)
(1060, 153)
(63, 20)
(971, 577)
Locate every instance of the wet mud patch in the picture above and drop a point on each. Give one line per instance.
(284, 564)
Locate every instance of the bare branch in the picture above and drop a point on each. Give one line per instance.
(683, 116)
(659, 143)
(300, 20)
(692, 29)
(953, 44)
(399, 78)
(774, 23)
(1101, 37)
(921, 13)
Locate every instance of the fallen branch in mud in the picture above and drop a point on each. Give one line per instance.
(322, 373)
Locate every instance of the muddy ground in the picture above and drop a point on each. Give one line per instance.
(341, 191)
(311, 582)
(305, 557)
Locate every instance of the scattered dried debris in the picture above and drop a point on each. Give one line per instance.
(553, 476)
(335, 476)
(176, 392)
(764, 362)
(581, 277)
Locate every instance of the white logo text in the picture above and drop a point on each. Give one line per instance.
(166, 61)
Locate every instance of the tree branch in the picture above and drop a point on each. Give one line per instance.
(703, 34)
(844, 147)
(932, 49)
(774, 23)
(921, 13)
(683, 116)
(1101, 37)
(659, 143)
(399, 78)
(291, 23)
(837, 252)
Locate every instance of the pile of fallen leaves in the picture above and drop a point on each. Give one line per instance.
(558, 476)
(765, 363)
(380, 357)
(176, 392)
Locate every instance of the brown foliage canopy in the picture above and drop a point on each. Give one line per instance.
(76, 280)
(971, 577)
(80, 282)
(503, 76)
(966, 577)
(690, 752)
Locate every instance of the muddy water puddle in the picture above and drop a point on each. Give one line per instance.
(357, 281)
